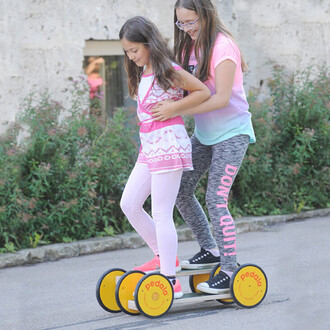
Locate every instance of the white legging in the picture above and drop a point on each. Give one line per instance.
(159, 231)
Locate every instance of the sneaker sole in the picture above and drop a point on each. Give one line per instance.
(200, 266)
(178, 295)
(213, 291)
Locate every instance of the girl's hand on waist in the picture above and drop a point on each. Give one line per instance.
(163, 110)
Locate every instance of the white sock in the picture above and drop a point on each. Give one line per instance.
(172, 279)
(228, 272)
(214, 251)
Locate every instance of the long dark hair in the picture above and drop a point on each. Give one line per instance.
(141, 30)
(210, 27)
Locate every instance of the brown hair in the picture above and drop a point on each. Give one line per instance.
(141, 30)
(210, 27)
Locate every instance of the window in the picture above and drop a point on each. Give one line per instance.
(104, 67)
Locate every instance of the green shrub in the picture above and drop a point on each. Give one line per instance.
(287, 170)
(63, 182)
(63, 170)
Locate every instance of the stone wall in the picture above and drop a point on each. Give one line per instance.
(42, 41)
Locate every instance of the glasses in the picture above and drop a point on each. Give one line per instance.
(188, 25)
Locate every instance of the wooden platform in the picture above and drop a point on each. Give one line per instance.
(190, 298)
(188, 272)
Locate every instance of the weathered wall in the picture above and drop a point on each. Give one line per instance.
(292, 33)
(42, 41)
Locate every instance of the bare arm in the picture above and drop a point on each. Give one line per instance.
(224, 80)
(198, 92)
(91, 66)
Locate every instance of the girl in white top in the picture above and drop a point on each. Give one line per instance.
(165, 150)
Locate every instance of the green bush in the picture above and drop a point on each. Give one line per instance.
(63, 170)
(287, 170)
(63, 182)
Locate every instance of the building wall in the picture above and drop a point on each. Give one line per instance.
(42, 41)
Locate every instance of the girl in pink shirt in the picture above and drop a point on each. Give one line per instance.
(223, 131)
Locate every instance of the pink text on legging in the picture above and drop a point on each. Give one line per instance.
(226, 221)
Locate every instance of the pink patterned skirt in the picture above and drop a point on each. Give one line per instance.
(165, 146)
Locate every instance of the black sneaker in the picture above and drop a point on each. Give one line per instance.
(203, 259)
(216, 285)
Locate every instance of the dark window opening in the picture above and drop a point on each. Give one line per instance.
(106, 77)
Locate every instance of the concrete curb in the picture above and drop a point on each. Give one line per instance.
(55, 252)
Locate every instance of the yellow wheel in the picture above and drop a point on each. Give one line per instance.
(154, 295)
(249, 286)
(194, 280)
(105, 290)
(125, 290)
(215, 272)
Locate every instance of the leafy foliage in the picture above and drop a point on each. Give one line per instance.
(287, 170)
(63, 182)
(63, 170)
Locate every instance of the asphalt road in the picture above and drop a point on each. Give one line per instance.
(295, 257)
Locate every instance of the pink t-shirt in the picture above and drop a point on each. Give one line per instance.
(94, 84)
(222, 124)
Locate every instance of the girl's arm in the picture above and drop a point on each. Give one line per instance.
(198, 93)
(91, 66)
(224, 80)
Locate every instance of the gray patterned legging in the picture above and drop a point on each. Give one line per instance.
(223, 161)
